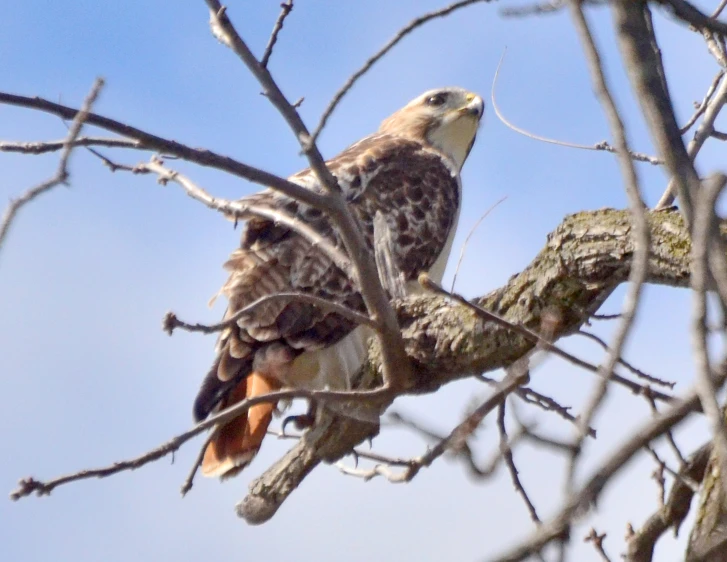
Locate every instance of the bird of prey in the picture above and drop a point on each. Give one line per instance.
(409, 173)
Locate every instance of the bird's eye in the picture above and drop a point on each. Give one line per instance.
(436, 100)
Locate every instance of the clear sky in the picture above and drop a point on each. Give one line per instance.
(88, 377)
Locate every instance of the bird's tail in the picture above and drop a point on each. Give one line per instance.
(235, 444)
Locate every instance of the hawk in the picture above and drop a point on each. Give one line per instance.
(409, 172)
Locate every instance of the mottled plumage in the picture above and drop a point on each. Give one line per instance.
(408, 171)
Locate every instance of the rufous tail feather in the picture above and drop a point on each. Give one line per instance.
(235, 444)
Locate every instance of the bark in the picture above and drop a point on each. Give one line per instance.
(583, 261)
(708, 539)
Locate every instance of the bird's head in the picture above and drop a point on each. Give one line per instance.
(445, 118)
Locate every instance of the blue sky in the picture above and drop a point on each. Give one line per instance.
(88, 271)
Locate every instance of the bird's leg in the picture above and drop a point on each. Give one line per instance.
(302, 421)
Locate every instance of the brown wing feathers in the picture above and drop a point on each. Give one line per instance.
(410, 185)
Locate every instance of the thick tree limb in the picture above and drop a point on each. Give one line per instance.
(583, 261)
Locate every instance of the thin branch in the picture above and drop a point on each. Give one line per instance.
(286, 8)
(643, 63)
(701, 107)
(189, 481)
(597, 541)
(171, 321)
(639, 266)
(43, 147)
(395, 365)
(704, 230)
(530, 396)
(535, 9)
(663, 467)
(537, 339)
(30, 485)
(403, 32)
(703, 132)
(244, 209)
(458, 436)
(463, 250)
(200, 156)
(638, 372)
(455, 441)
(602, 146)
(510, 463)
(669, 435)
(62, 174)
(690, 14)
(640, 543)
(558, 527)
(481, 472)
(356, 453)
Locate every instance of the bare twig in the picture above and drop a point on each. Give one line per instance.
(189, 481)
(356, 453)
(43, 147)
(395, 363)
(535, 9)
(171, 321)
(701, 107)
(638, 372)
(244, 209)
(658, 474)
(463, 250)
(483, 471)
(690, 14)
(606, 316)
(703, 132)
(458, 436)
(669, 435)
(510, 463)
(537, 339)
(286, 8)
(676, 474)
(640, 543)
(61, 175)
(29, 485)
(403, 32)
(456, 441)
(603, 145)
(719, 9)
(597, 541)
(530, 396)
(558, 527)
(200, 156)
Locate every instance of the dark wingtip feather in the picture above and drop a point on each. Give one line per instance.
(213, 390)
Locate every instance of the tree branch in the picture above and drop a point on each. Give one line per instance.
(583, 261)
(286, 8)
(646, 72)
(395, 367)
(61, 175)
(403, 32)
